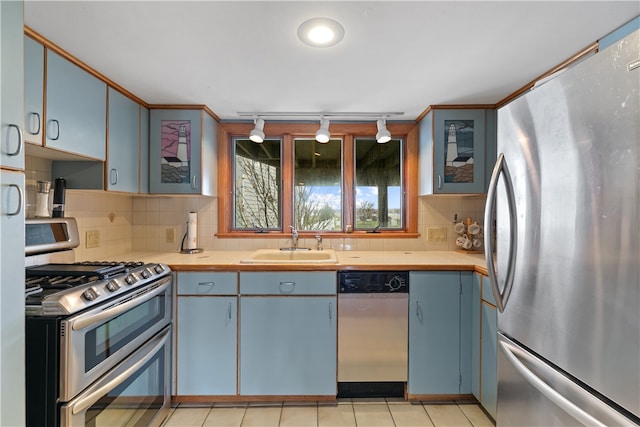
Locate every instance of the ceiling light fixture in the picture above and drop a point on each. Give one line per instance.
(257, 133)
(383, 136)
(323, 135)
(321, 32)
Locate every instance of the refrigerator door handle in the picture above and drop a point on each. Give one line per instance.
(540, 374)
(500, 169)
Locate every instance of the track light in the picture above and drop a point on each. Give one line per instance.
(323, 135)
(257, 134)
(383, 134)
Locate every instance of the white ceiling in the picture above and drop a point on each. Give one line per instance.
(395, 57)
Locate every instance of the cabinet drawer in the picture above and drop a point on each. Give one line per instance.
(204, 283)
(288, 283)
(487, 293)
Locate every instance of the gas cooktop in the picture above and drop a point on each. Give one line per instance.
(57, 289)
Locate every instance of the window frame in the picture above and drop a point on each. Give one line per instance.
(288, 132)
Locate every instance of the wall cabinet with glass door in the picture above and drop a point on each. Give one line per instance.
(457, 150)
(182, 152)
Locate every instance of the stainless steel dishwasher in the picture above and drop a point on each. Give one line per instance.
(372, 333)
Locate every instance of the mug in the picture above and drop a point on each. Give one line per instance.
(459, 227)
(477, 243)
(464, 242)
(474, 228)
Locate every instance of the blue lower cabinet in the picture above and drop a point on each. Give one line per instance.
(489, 349)
(476, 327)
(439, 333)
(206, 345)
(288, 345)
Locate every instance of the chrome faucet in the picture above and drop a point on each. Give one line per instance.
(294, 237)
(318, 242)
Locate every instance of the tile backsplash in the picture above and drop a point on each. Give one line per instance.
(126, 222)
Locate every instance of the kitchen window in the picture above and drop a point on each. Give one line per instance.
(349, 187)
(257, 176)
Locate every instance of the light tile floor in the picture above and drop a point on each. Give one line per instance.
(342, 413)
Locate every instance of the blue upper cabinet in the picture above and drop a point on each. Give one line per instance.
(456, 150)
(620, 33)
(182, 152)
(123, 145)
(33, 91)
(76, 109)
(11, 74)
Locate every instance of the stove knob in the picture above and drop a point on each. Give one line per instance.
(113, 286)
(90, 294)
(159, 268)
(145, 273)
(130, 279)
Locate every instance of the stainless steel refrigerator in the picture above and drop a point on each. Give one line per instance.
(564, 200)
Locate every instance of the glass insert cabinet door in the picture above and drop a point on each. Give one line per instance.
(459, 151)
(175, 151)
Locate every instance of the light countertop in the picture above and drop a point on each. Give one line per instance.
(355, 260)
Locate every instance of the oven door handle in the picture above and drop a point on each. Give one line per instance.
(120, 374)
(109, 313)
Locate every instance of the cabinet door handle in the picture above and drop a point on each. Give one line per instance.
(287, 287)
(419, 313)
(193, 183)
(20, 144)
(330, 311)
(439, 182)
(229, 312)
(201, 287)
(113, 179)
(20, 200)
(57, 123)
(37, 122)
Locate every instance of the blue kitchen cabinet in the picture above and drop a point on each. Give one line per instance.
(206, 336)
(144, 150)
(76, 109)
(476, 328)
(288, 345)
(33, 91)
(12, 82)
(618, 34)
(457, 150)
(12, 316)
(288, 334)
(489, 355)
(123, 143)
(182, 152)
(439, 333)
(12, 214)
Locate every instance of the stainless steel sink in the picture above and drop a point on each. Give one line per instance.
(276, 256)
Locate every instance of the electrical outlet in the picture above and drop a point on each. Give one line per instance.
(92, 239)
(170, 235)
(436, 234)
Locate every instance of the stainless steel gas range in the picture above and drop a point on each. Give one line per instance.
(98, 334)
